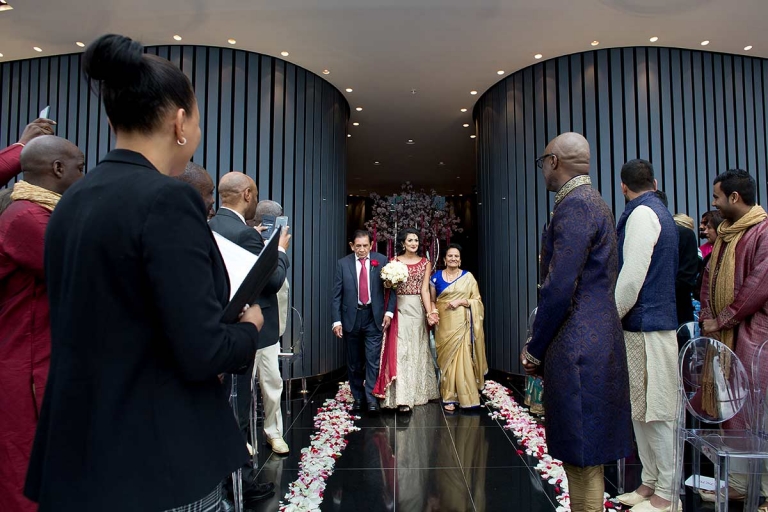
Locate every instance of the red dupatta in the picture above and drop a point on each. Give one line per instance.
(388, 361)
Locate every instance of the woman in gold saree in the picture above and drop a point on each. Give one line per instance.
(459, 336)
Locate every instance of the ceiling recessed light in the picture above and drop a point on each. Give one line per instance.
(284, 54)
(472, 136)
(441, 163)
(80, 44)
(654, 39)
(355, 124)
(410, 142)
(595, 43)
(348, 89)
(376, 163)
(466, 125)
(537, 56)
(359, 109)
(704, 43)
(1, 54)
(747, 48)
(500, 72)
(37, 48)
(472, 92)
(4, 6)
(231, 41)
(458, 177)
(177, 37)
(326, 71)
(463, 110)
(349, 135)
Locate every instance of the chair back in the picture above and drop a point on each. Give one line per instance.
(713, 381)
(531, 319)
(759, 401)
(688, 331)
(294, 336)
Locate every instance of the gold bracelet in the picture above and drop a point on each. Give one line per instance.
(435, 311)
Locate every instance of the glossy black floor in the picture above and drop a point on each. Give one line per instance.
(426, 460)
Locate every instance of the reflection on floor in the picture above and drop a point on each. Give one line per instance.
(426, 460)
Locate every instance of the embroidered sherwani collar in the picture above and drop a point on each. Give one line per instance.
(571, 185)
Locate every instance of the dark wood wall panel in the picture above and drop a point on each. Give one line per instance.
(280, 124)
(692, 114)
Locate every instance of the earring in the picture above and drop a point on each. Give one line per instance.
(182, 141)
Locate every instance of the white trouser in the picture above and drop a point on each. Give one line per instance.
(268, 370)
(655, 445)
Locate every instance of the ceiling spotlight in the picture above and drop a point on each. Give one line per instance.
(747, 48)
(595, 43)
(231, 41)
(441, 163)
(349, 135)
(410, 142)
(472, 92)
(704, 43)
(359, 109)
(466, 125)
(347, 89)
(458, 177)
(1, 54)
(37, 48)
(500, 72)
(80, 44)
(654, 39)
(284, 54)
(4, 6)
(472, 136)
(537, 56)
(355, 124)
(177, 37)
(326, 71)
(376, 163)
(463, 110)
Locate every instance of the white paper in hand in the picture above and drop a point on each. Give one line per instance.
(237, 260)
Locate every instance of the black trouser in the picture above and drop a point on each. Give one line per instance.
(363, 354)
(244, 403)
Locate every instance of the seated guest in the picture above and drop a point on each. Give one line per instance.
(50, 165)
(135, 417)
(9, 157)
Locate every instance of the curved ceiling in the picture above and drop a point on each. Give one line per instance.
(411, 64)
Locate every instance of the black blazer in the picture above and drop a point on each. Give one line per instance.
(345, 291)
(230, 226)
(687, 271)
(134, 416)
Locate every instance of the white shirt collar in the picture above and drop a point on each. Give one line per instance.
(237, 213)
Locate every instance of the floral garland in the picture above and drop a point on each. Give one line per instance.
(333, 422)
(530, 434)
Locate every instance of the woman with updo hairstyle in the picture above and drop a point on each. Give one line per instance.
(135, 416)
(407, 372)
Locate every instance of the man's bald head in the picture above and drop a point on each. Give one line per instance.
(201, 181)
(267, 207)
(238, 192)
(52, 163)
(567, 156)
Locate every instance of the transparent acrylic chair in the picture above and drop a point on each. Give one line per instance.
(237, 476)
(707, 364)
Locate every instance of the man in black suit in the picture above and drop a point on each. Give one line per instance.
(359, 316)
(239, 197)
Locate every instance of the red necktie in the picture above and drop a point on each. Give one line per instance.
(363, 288)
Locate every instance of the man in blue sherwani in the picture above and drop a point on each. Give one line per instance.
(577, 342)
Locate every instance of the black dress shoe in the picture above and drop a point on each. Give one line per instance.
(374, 407)
(357, 405)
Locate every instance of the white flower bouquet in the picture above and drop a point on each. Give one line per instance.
(394, 273)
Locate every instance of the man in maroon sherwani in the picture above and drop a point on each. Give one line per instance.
(734, 295)
(9, 157)
(50, 165)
